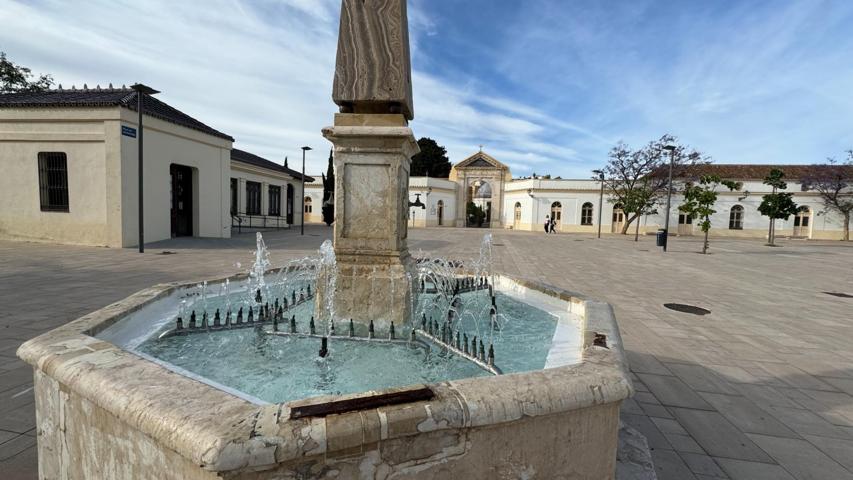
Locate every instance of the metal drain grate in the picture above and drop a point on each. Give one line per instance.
(680, 307)
(838, 294)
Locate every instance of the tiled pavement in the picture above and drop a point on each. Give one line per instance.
(762, 388)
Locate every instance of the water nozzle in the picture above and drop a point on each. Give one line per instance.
(324, 347)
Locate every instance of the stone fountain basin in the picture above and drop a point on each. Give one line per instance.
(104, 412)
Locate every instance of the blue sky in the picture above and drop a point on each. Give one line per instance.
(545, 86)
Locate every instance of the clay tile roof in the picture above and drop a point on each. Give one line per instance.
(252, 159)
(736, 171)
(106, 97)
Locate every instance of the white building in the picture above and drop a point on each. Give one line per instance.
(70, 172)
(523, 204)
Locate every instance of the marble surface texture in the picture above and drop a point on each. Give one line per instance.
(373, 73)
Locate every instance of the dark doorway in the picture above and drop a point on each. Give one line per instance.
(182, 200)
(289, 204)
(234, 198)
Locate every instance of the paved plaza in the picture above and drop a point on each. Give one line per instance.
(761, 388)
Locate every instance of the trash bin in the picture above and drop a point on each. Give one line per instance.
(661, 238)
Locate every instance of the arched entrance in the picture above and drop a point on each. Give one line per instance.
(557, 214)
(439, 211)
(802, 221)
(309, 208)
(618, 219)
(516, 219)
(479, 205)
(685, 224)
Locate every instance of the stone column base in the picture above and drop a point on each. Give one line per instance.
(377, 288)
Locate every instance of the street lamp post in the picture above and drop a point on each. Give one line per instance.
(141, 90)
(671, 149)
(302, 217)
(600, 198)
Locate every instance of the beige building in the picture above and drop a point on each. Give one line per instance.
(70, 165)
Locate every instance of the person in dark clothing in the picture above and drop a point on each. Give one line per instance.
(553, 226)
(547, 223)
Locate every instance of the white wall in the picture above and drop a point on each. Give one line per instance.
(244, 172)
(165, 144)
(314, 190)
(432, 190)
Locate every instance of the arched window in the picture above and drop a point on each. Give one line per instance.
(308, 207)
(586, 214)
(557, 213)
(736, 218)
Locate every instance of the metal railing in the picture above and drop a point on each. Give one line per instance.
(240, 221)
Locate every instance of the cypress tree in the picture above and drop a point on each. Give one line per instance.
(329, 193)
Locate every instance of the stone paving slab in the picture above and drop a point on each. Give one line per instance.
(717, 436)
(673, 392)
(774, 342)
(802, 459)
(746, 416)
(742, 470)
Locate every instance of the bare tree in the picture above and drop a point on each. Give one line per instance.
(833, 181)
(637, 179)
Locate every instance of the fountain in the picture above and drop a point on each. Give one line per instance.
(361, 361)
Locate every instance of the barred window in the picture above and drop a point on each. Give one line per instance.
(308, 207)
(586, 214)
(53, 181)
(275, 200)
(253, 198)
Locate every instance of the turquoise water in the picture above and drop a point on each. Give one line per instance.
(280, 369)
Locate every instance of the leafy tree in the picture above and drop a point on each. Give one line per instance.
(639, 179)
(476, 214)
(699, 200)
(777, 204)
(640, 201)
(431, 161)
(833, 181)
(16, 78)
(329, 193)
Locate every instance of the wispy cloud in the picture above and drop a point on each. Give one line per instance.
(544, 84)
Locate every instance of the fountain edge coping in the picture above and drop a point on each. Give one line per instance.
(222, 432)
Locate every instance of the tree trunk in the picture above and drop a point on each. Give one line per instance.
(847, 226)
(705, 245)
(627, 225)
(770, 232)
(637, 231)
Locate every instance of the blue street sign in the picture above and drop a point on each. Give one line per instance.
(128, 131)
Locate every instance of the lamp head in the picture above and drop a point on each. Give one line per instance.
(306, 148)
(138, 87)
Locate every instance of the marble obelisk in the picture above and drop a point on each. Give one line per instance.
(373, 146)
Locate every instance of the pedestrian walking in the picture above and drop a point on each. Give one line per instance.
(553, 226)
(547, 223)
